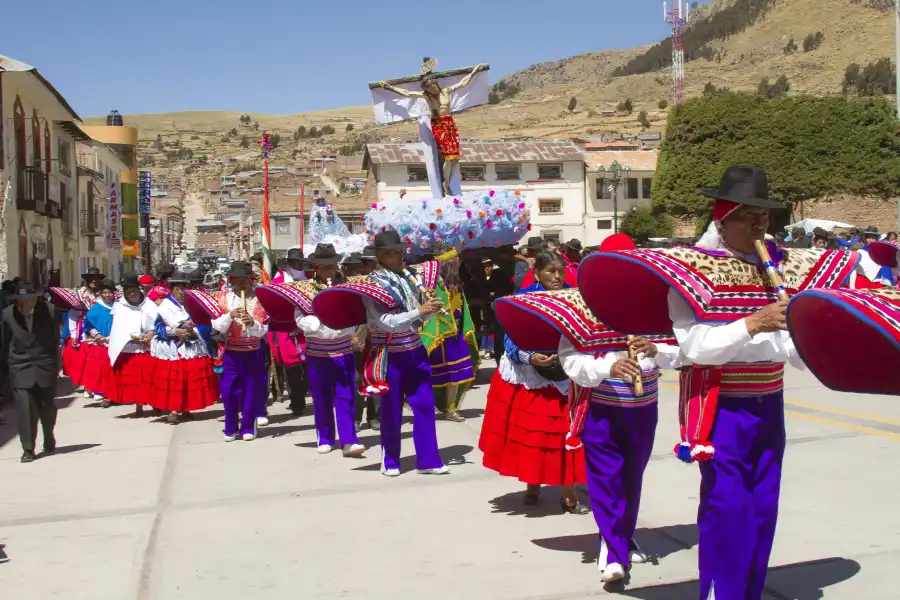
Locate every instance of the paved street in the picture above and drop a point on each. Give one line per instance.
(139, 509)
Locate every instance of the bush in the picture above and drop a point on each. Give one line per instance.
(791, 46)
(663, 104)
(643, 119)
(626, 105)
(349, 127)
(811, 147)
(245, 142)
(875, 79)
(573, 102)
(502, 91)
(642, 223)
(772, 90)
(813, 41)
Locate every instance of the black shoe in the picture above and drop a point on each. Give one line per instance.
(298, 410)
(27, 457)
(375, 424)
(50, 448)
(574, 509)
(358, 426)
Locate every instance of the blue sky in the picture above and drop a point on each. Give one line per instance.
(282, 56)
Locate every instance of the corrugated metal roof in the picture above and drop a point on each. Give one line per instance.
(12, 65)
(479, 152)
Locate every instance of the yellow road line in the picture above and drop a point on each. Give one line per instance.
(842, 425)
(826, 409)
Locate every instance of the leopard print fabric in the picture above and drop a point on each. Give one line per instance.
(728, 271)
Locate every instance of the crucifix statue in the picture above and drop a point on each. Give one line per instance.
(443, 94)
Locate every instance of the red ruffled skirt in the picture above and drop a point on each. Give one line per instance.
(98, 372)
(185, 385)
(446, 135)
(523, 435)
(133, 375)
(73, 360)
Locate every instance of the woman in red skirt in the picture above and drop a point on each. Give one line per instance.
(98, 374)
(184, 379)
(129, 346)
(527, 418)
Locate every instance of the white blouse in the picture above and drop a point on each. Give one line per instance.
(589, 371)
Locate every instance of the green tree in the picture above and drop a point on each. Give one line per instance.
(811, 147)
(275, 140)
(641, 223)
(313, 132)
(349, 127)
(643, 119)
(791, 46)
(573, 102)
(626, 105)
(780, 87)
(663, 104)
(233, 131)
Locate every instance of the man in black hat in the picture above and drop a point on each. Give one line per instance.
(740, 441)
(330, 365)
(195, 280)
(29, 351)
(572, 252)
(369, 260)
(870, 234)
(293, 270)
(351, 265)
(244, 378)
(396, 336)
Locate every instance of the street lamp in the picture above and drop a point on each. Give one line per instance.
(615, 175)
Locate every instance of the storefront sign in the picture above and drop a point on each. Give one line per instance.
(131, 248)
(144, 183)
(114, 235)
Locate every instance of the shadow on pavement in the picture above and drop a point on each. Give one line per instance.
(548, 505)
(69, 449)
(656, 543)
(472, 413)
(451, 455)
(798, 581)
(484, 375)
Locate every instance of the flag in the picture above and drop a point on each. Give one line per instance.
(266, 231)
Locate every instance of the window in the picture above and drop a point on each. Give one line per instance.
(646, 185)
(62, 153)
(417, 173)
(549, 171)
(631, 189)
(604, 223)
(471, 172)
(550, 236)
(550, 206)
(605, 189)
(282, 226)
(507, 172)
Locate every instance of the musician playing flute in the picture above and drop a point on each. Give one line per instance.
(244, 379)
(409, 370)
(330, 364)
(617, 432)
(722, 307)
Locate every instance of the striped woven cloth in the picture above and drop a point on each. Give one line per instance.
(329, 348)
(618, 392)
(401, 341)
(751, 379)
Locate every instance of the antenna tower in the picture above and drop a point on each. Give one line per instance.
(677, 17)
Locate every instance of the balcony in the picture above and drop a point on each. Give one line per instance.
(32, 194)
(89, 223)
(88, 161)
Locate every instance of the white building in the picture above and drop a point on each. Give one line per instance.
(38, 131)
(550, 174)
(99, 173)
(616, 181)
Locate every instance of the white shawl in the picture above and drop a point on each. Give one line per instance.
(129, 320)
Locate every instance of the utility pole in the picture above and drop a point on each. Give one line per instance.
(677, 17)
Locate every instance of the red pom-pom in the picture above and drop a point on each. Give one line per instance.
(529, 227)
(574, 442)
(471, 235)
(432, 226)
(499, 212)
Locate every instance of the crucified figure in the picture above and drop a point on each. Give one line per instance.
(443, 127)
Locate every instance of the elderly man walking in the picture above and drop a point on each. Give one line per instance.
(29, 347)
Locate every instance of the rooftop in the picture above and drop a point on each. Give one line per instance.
(634, 160)
(478, 152)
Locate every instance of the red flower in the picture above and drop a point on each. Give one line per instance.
(499, 213)
(471, 235)
(432, 226)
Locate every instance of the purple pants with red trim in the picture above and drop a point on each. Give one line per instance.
(409, 374)
(739, 497)
(618, 442)
(331, 385)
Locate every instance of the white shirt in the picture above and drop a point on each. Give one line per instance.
(381, 320)
(312, 327)
(233, 301)
(722, 343)
(588, 371)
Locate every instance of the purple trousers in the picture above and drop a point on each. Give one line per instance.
(244, 390)
(331, 381)
(617, 446)
(409, 375)
(739, 497)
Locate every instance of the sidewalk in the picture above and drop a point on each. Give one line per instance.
(139, 509)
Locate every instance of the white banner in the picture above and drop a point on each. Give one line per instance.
(114, 226)
(390, 107)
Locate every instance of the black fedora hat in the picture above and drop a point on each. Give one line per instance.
(573, 244)
(240, 268)
(130, 280)
(870, 231)
(23, 290)
(535, 244)
(107, 284)
(388, 240)
(179, 277)
(744, 184)
(165, 271)
(196, 276)
(294, 254)
(93, 273)
(324, 254)
(368, 253)
(354, 258)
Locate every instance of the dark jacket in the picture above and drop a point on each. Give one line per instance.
(30, 357)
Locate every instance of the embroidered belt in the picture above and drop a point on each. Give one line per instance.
(400, 341)
(699, 391)
(618, 392)
(243, 344)
(329, 348)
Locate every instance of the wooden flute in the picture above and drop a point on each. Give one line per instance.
(417, 283)
(771, 270)
(244, 304)
(638, 382)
